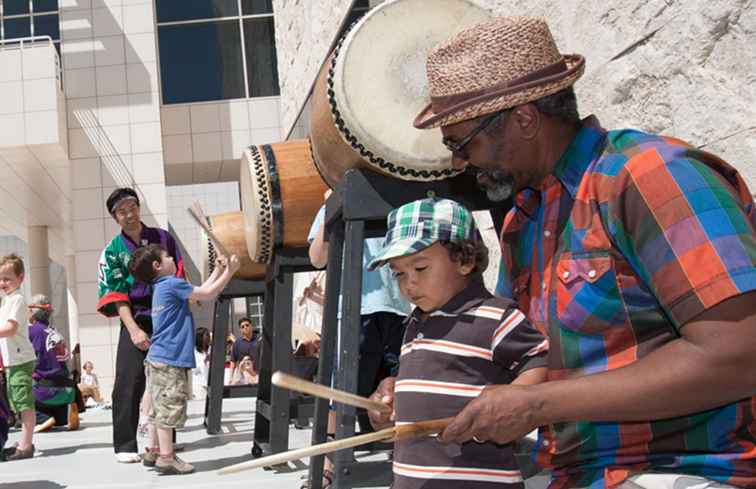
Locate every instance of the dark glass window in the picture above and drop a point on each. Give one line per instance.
(15, 7)
(255, 7)
(260, 48)
(177, 10)
(47, 25)
(201, 62)
(45, 6)
(19, 27)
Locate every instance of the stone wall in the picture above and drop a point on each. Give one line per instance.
(682, 68)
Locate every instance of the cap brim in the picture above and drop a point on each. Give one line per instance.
(402, 247)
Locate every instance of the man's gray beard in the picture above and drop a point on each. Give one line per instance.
(500, 186)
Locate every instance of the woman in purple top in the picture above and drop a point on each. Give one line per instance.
(53, 388)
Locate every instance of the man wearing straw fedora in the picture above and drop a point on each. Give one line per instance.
(633, 252)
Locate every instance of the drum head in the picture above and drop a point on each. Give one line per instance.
(380, 83)
(257, 209)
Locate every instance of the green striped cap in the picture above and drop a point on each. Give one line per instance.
(419, 224)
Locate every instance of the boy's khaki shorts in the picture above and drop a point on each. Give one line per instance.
(19, 380)
(169, 389)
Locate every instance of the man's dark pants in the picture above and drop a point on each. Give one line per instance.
(128, 388)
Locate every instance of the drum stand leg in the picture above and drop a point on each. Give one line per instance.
(327, 346)
(273, 411)
(214, 399)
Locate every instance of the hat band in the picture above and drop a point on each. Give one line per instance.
(543, 76)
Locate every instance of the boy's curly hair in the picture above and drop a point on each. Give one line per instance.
(140, 265)
(469, 251)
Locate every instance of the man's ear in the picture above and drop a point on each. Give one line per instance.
(156, 264)
(528, 120)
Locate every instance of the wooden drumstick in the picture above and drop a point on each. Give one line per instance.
(196, 211)
(402, 432)
(290, 382)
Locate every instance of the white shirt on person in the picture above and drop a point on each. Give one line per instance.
(17, 349)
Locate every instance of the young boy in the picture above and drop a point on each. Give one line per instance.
(18, 354)
(171, 355)
(459, 339)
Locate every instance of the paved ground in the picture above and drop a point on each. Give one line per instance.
(84, 459)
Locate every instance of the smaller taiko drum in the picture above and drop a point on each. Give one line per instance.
(229, 229)
(281, 192)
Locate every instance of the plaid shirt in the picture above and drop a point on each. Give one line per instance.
(628, 239)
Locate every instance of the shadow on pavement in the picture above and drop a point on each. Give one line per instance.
(32, 485)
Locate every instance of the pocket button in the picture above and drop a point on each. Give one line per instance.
(566, 275)
(592, 273)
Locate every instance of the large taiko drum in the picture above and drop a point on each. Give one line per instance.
(229, 229)
(281, 192)
(374, 84)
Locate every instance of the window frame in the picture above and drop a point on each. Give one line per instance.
(30, 16)
(240, 18)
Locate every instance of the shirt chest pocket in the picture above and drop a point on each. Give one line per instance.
(587, 298)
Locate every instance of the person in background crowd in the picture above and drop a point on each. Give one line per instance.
(55, 394)
(90, 384)
(202, 358)
(246, 345)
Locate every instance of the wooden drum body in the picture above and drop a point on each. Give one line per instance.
(281, 192)
(229, 229)
(374, 84)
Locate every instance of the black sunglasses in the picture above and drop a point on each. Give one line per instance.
(458, 147)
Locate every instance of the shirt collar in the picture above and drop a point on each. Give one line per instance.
(581, 152)
(143, 237)
(472, 296)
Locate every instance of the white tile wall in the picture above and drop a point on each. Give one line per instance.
(264, 113)
(87, 203)
(148, 168)
(143, 107)
(109, 50)
(75, 24)
(205, 118)
(140, 48)
(78, 53)
(175, 120)
(207, 147)
(13, 96)
(12, 129)
(234, 115)
(107, 21)
(42, 127)
(80, 83)
(82, 112)
(111, 80)
(145, 137)
(38, 63)
(113, 110)
(138, 19)
(142, 77)
(178, 149)
(10, 65)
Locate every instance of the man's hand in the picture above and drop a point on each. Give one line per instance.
(140, 339)
(221, 262)
(385, 394)
(502, 413)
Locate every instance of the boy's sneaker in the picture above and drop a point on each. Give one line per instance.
(173, 466)
(150, 457)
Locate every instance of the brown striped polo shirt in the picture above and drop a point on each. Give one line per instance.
(447, 359)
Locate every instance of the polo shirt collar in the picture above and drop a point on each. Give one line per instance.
(472, 296)
(584, 148)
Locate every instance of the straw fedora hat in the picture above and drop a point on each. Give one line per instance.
(501, 63)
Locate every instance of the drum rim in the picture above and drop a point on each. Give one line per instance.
(347, 134)
(268, 235)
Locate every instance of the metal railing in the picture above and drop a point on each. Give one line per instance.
(22, 43)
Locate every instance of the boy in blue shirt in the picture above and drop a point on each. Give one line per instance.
(171, 355)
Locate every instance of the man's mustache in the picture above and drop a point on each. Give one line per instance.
(497, 184)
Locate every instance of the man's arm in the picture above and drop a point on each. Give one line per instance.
(319, 249)
(138, 337)
(709, 366)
